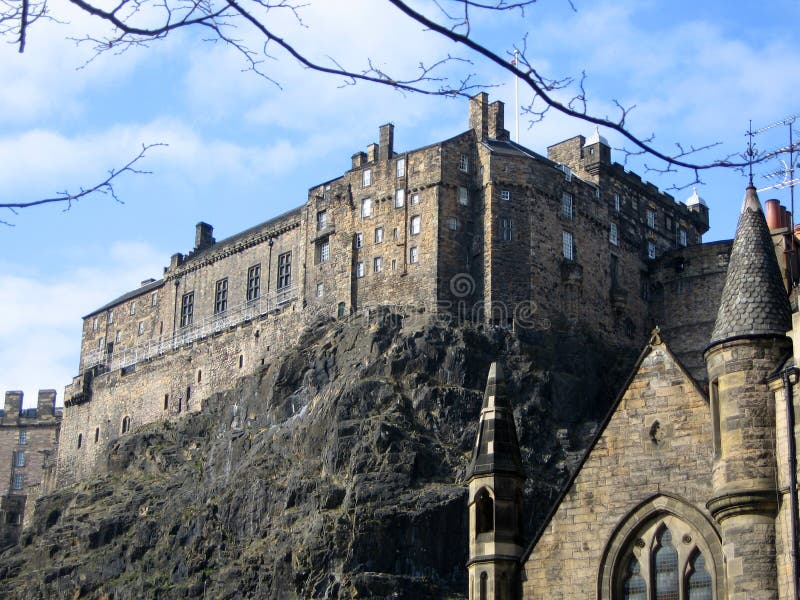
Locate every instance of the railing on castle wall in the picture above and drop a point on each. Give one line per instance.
(125, 357)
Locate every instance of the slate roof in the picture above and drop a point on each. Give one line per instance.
(754, 300)
(496, 447)
(127, 296)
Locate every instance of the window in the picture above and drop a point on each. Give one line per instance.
(567, 245)
(399, 198)
(359, 240)
(505, 195)
(395, 234)
(323, 251)
(322, 219)
(484, 512)
(154, 299)
(20, 459)
(463, 163)
(140, 329)
(254, 282)
(651, 250)
(340, 310)
(366, 177)
(416, 224)
(379, 235)
(23, 437)
(110, 316)
(651, 218)
(284, 270)
(80, 441)
(377, 264)
(133, 308)
(413, 255)
(566, 205)
(463, 196)
(668, 223)
(221, 296)
(94, 324)
(360, 270)
(452, 223)
(682, 236)
(100, 343)
(505, 229)
(414, 199)
(166, 401)
(118, 336)
(401, 167)
(613, 234)
(394, 264)
(18, 477)
(96, 434)
(126, 424)
(187, 309)
(616, 203)
(366, 208)
(320, 290)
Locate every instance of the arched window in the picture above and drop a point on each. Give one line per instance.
(634, 586)
(666, 567)
(699, 580)
(484, 512)
(126, 424)
(666, 558)
(484, 585)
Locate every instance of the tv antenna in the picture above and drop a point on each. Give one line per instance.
(786, 176)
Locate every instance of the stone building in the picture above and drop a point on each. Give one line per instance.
(689, 490)
(28, 445)
(474, 227)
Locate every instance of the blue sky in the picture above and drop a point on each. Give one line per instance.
(241, 149)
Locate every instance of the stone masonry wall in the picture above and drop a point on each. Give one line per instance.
(658, 438)
(167, 386)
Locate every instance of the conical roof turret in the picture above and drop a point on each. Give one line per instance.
(496, 447)
(754, 300)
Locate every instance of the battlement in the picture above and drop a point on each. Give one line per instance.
(45, 408)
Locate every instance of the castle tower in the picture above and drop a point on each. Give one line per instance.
(495, 478)
(747, 344)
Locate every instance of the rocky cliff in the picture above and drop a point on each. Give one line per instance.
(335, 472)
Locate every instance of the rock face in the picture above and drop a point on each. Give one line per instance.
(337, 472)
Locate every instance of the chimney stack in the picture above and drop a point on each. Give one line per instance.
(773, 214)
(479, 115)
(386, 147)
(202, 237)
(13, 403)
(46, 403)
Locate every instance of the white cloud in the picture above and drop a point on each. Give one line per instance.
(40, 343)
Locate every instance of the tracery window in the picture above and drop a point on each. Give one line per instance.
(665, 562)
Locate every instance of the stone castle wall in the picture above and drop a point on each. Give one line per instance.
(28, 439)
(472, 226)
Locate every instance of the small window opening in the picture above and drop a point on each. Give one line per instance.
(166, 401)
(484, 512)
(80, 440)
(96, 435)
(241, 360)
(199, 375)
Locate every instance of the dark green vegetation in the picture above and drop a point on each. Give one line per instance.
(337, 472)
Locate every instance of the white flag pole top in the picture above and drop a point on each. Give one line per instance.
(516, 97)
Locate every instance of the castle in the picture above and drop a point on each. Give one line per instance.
(480, 228)
(475, 227)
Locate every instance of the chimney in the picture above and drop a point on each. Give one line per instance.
(496, 121)
(386, 147)
(202, 236)
(359, 158)
(372, 152)
(46, 403)
(13, 403)
(479, 115)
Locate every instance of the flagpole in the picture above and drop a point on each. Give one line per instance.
(516, 96)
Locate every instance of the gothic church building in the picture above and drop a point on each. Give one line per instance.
(688, 491)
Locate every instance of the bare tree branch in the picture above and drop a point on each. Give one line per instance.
(106, 186)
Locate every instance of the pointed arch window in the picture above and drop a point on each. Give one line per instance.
(634, 586)
(699, 579)
(666, 567)
(484, 512)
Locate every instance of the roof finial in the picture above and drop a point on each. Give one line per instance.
(751, 151)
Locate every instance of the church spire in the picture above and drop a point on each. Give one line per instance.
(754, 300)
(496, 447)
